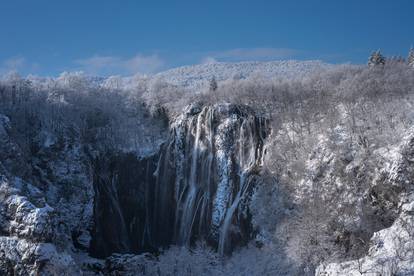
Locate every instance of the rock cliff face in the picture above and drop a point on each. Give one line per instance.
(392, 199)
(75, 201)
(37, 218)
(123, 187)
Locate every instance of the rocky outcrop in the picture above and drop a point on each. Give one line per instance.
(29, 229)
(22, 257)
(391, 250)
(21, 217)
(37, 217)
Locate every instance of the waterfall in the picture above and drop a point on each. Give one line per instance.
(213, 153)
(247, 159)
(196, 188)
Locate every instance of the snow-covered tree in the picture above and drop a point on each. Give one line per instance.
(396, 60)
(213, 84)
(410, 59)
(376, 58)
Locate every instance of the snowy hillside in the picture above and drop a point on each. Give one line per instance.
(197, 76)
(193, 77)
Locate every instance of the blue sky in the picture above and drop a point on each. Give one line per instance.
(46, 37)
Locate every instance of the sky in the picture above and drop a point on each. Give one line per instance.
(125, 37)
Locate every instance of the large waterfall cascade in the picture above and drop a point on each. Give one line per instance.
(196, 188)
(213, 152)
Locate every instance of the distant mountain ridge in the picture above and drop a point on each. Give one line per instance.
(196, 76)
(193, 77)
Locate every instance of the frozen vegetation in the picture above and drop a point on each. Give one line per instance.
(253, 168)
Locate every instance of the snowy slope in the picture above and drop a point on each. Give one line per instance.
(192, 76)
(196, 76)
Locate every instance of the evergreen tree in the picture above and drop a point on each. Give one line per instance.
(376, 59)
(213, 84)
(410, 59)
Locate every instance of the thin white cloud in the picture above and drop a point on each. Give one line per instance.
(251, 54)
(208, 60)
(152, 63)
(15, 63)
(18, 64)
(109, 65)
